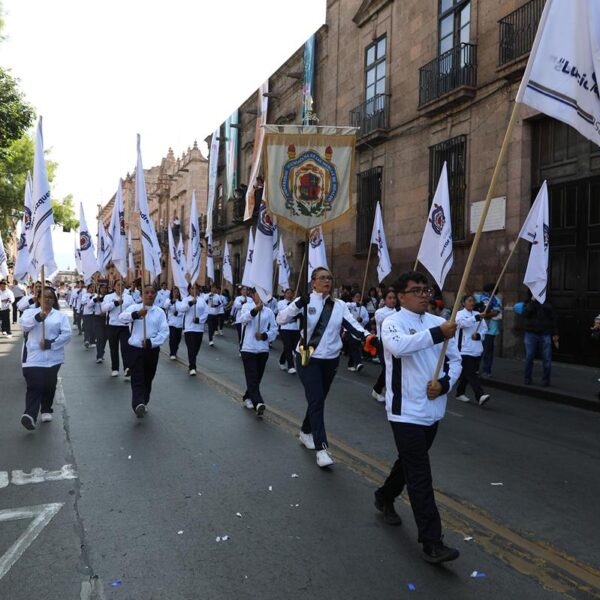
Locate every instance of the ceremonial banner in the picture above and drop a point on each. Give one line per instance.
(194, 251)
(213, 163)
(177, 267)
(89, 265)
(117, 233)
(257, 149)
(104, 249)
(435, 252)
(22, 264)
(227, 272)
(561, 75)
(3, 260)
(317, 256)
(284, 267)
(231, 154)
(246, 279)
(308, 172)
(536, 230)
(384, 266)
(131, 265)
(262, 260)
(152, 253)
(41, 252)
(210, 261)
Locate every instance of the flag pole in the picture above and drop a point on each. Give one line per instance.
(475, 244)
(43, 277)
(304, 349)
(301, 272)
(362, 293)
(143, 278)
(416, 264)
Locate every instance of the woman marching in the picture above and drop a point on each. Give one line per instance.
(359, 312)
(389, 308)
(194, 318)
(118, 333)
(99, 326)
(48, 331)
(175, 311)
(290, 334)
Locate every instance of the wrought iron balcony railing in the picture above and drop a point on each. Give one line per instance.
(517, 31)
(453, 69)
(372, 115)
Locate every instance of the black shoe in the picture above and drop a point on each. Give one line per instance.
(140, 411)
(28, 422)
(438, 552)
(260, 409)
(390, 516)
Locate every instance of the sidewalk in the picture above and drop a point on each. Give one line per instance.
(574, 385)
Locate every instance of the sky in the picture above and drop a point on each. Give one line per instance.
(101, 72)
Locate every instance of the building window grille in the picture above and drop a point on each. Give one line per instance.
(369, 193)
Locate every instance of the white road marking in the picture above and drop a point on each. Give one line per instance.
(59, 395)
(92, 589)
(41, 515)
(454, 414)
(38, 475)
(3, 479)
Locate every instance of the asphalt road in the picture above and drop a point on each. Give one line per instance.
(138, 512)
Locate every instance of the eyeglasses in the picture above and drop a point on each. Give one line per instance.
(48, 297)
(420, 291)
(324, 278)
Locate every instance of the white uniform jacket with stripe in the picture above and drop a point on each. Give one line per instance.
(292, 325)
(114, 310)
(467, 322)
(412, 344)
(330, 345)
(359, 312)
(175, 312)
(187, 307)
(381, 314)
(57, 331)
(238, 305)
(26, 302)
(268, 328)
(214, 303)
(157, 330)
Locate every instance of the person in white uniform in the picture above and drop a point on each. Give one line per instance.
(236, 311)
(289, 333)
(118, 332)
(175, 307)
(391, 306)
(6, 301)
(359, 312)
(194, 319)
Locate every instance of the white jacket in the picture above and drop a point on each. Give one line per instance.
(6, 299)
(188, 314)
(113, 312)
(292, 325)
(381, 314)
(214, 303)
(57, 330)
(268, 328)
(26, 302)
(175, 312)
(466, 325)
(359, 312)
(238, 305)
(157, 330)
(161, 296)
(95, 304)
(330, 345)
(84, 301)
(412, 344)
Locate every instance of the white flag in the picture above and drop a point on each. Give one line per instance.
(177, 266)
(117, 233)
(262, 259)
(275, 238)
(284, 268)
(104, 249)
(152, 253)
(210, 261)
(247, 279)
(537, 231)
(77, 252)
(89, 265)
(181, 254)
(194, 251)
(560, 78)
(28, 212)
(227, 271)
(131, 265)
(435, 252)
(213, 163)
(3, 260)
(41, 251)
(384, 266)
(22, 260)
(317, 256)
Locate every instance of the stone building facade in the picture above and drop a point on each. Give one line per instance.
(428, 82)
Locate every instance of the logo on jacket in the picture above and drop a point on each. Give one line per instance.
(438, 219)
(412, 331)
(265, 220)
(85, 241)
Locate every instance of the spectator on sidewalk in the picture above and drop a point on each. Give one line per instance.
(18, 292)
(6, 301)
(541, 332)
(494, 325)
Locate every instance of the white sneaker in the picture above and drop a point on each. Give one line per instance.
(248, 404)
(291, 371)
(173, 357)
(92, 345)
(324, 458)
(9, 335)
(46, 417)
(140, 411)
(114, 373)
(463, 398)
(282, 367)
(376, 360)
(378, 397)
(211, 343)
(353, 369)
(306, 439)
(483, 399)
(99, 360)
(192, 372)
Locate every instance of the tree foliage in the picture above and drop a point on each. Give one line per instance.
(64, 213)
(16, 115)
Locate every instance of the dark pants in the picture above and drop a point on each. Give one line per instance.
(77, 320)
(117, 337)
(290, 338)
(41, 385)
(238, 328)
(254, 368)
(220, 321)
(380, 383)
(100, 334)
(211, 321)
(143, 365)
(15, 310)
(354, 351)
(88, 329)
(488, 353)
(193, 341)
(412, 469)
(5, 320)
(174, 340)
(533, 343)
(316, 378)
(468, 376)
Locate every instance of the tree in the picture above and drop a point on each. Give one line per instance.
(64, 213)
(16, 116)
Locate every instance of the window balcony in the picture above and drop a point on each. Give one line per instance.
(449, 78)
(372, 119)
(517, 31)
